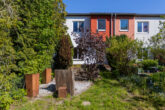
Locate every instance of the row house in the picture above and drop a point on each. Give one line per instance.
(136, 26)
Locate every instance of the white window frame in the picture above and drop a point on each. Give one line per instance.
(142, 26)
(98, 25)
(78, 24)
(126, 30)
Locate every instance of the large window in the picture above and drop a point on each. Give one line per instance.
(124, 25)
(143, 27)
(101, 25)
(78, 26)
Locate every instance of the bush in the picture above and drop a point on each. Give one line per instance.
(134, 82)
(121, 52)
(159, 81)
(63, 59)
(147, 64)
(10, 90)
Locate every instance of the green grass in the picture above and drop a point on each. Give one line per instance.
(106, 94)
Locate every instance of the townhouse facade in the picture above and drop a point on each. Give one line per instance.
(136, 26)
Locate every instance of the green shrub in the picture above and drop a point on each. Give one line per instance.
(159, 81)
(63, 59)
(10, 90)
(147, 64)
(134, 82)
(120, 53)
(5, 101)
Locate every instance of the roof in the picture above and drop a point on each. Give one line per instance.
(120, 14)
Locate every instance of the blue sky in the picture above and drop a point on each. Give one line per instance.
(123, 6)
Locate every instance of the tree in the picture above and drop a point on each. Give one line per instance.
(92, 49)
(157, 44)
(63, 58)
(121, 52)
(8, 87)
(39, 27)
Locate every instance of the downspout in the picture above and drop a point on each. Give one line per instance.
(114, 26)
(111, 33)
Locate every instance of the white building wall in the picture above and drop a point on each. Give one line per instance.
(69, 24)
(154, 24)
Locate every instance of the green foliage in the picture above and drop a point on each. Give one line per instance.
(40, 24)
(134, 82)
(157, 44)
(147, 64)
(29, 33)
(63, 59)
(121, 52)
(159, 54)
(159, 80)
(153, 87)
(10, 90)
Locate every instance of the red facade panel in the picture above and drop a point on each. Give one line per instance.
(110, 27)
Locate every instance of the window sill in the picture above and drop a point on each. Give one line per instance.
(101, 30)
(77, 60)
(77, 32)
(123, 30)
(142, 32)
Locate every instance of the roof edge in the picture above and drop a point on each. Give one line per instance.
(120, 14)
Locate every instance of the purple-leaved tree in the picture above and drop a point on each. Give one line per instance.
(92, 49)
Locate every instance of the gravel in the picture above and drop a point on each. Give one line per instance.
(81, 86)
(49, 89)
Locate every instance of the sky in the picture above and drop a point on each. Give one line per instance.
(116, 6)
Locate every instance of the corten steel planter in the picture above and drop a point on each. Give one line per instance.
(46, 76)
(32, 84)
(62, 92)
(65, 78)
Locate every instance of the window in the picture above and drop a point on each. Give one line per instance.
(77, 54)
(101, 26)
(78, 26)
(143, 27)
(124, 24)
(139, 27)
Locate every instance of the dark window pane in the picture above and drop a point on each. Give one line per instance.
(145, 27)
(75, 53)
(139, 26)
(124, 24)
(75, 26)
(101, 24)
(81, 26)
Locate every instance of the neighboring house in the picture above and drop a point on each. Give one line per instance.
(135, 26)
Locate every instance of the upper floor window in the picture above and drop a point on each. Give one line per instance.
(124, 25)
(143, 26)
(78, 26)
(101, 26)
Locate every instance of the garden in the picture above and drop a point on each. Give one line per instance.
(36, 50)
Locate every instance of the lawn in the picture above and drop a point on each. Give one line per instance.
(105, 94)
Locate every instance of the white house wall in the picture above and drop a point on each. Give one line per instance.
(154, 24)
(69, 24)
